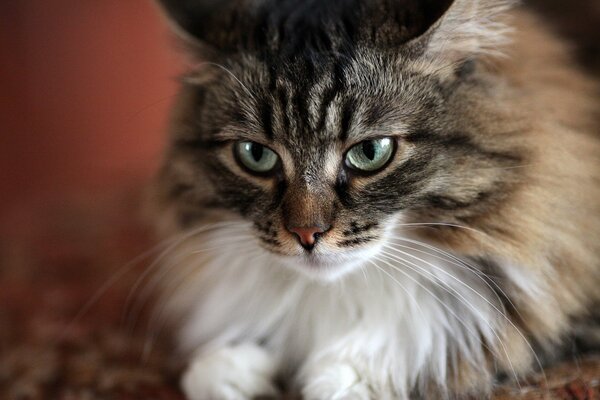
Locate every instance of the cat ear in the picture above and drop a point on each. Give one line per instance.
(196, 22)
(466, 29)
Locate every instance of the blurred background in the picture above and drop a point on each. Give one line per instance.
(85, 91)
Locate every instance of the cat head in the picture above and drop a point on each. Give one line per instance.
(326, 124)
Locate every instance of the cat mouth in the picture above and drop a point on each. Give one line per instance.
(319, 260)
(330, 266)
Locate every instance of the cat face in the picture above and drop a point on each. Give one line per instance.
(326, 146)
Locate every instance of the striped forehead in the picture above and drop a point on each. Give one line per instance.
(316, 104)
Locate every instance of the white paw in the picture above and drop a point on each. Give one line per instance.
(240, 372)
(335, 382)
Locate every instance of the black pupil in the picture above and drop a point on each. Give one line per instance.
(369, 149)
(257, 152)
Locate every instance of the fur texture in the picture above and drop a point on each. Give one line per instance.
(470, 257)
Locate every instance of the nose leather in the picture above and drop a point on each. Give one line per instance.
(307, 236)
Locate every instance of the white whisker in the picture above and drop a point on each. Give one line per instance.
(171, 244)
(157, 321)
(453, 292)
(410, 296)
(469, 267)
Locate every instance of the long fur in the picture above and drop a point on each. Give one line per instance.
(473, 256)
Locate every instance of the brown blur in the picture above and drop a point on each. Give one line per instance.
(85, 92)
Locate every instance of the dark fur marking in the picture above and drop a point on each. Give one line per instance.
(179, 189)
(336, 88)
(356, 229)
(356, 241)
(282, 97)
(450, 204)
(270, 240)
(348, 110)
(266, 113)
(300, 102)
(282, 186)
(342, 189)
(398, 189)
(461, 141)
(266, 227)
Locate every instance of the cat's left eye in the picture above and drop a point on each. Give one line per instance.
(255, 157)
(371, 155)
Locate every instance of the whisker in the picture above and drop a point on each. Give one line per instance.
(461, 264)
(454, 260)
(110, 282)
(410, 296)
(451, 276)
(444, 224)
(481, 275)
(145, 293)
(174, 242)
(458, 296)
(157, 321)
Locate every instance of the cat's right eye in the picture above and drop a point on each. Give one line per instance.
(256, 158)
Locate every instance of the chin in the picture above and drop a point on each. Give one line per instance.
(326, 266)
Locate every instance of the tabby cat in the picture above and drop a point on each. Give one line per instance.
(376, 199)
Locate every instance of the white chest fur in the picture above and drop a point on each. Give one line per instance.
(402, 317)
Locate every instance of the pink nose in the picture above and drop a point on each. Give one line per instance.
(307, 236)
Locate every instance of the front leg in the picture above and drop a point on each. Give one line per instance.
(339, 375)
(337, 379)
(241, 372)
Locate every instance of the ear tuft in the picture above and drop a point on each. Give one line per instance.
(469, 28)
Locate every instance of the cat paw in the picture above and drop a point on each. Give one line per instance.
(335, 382)
(240, 372)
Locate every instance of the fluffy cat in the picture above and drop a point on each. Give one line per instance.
(382, 199)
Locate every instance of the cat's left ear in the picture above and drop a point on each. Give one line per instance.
(467, 29)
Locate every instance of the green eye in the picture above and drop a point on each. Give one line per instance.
(256, 157)
(370, 155)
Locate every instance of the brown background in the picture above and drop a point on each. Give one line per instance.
(84, 92)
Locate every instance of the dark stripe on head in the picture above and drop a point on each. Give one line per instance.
(300, 102)
(282, 98)
(348, 109)
(266, 114)
(337, 86)
(305, 79)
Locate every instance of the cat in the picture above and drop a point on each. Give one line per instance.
(384, 199)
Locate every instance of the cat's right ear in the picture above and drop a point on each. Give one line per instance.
(193, 21)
